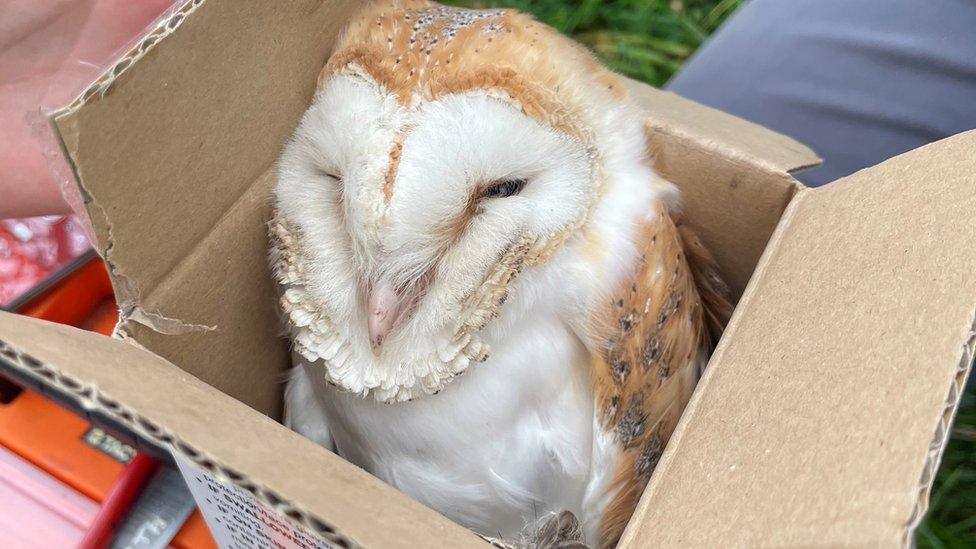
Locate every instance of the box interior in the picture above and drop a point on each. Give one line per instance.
(176, 158)
(175, 148)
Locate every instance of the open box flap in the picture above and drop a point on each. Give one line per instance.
(134, 387)
(734, 176)
(824, 411)
(719, 131)
(174, 149)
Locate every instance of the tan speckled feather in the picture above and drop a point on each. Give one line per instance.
(420, 50)
(659, 328)
(658, 332)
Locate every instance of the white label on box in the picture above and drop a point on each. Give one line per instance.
(237, 520)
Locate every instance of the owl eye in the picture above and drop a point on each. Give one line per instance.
(504, 189)
(322, 173)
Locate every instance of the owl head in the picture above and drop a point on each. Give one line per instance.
(459, 172)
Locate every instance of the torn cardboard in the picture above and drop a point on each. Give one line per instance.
(174, 149)
(821, 418)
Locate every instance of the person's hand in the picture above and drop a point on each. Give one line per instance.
(49, 50)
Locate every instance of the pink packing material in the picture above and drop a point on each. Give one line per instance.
(50, 51)
(32, 249)
(36, 509)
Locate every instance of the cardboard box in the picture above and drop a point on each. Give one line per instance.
(821, 417)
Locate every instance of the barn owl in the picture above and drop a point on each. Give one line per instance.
(491, 305)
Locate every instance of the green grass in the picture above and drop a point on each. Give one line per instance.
(649, 40)
(951, 521)
(644, 39)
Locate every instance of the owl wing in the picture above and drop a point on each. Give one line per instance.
(649, 346)
(303, 412)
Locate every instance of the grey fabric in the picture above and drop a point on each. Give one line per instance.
(859, 81)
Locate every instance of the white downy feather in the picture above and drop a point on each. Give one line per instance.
(515, 437)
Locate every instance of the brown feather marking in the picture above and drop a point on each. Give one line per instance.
(451, 230)
(712, 289)
(655, 333)
(395, 152)
(419, 49)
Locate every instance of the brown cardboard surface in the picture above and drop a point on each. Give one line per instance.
(733, 206)
(718, 131)
(224, 282)
(823, 411)
(168, 153)
(733, 175)
(815, 424)
(175, 152)
(150, 390)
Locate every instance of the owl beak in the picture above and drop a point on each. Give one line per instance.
(388, 306)
(382, 312)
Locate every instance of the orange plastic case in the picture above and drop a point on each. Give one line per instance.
(52, 438)
(72, 296)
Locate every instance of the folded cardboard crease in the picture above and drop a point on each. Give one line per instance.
(821, 417)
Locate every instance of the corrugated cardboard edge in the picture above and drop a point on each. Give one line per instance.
(103, 83)
(88, 397)
(940, 438)
(126, 291)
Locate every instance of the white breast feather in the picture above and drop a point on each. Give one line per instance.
(515, 437)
